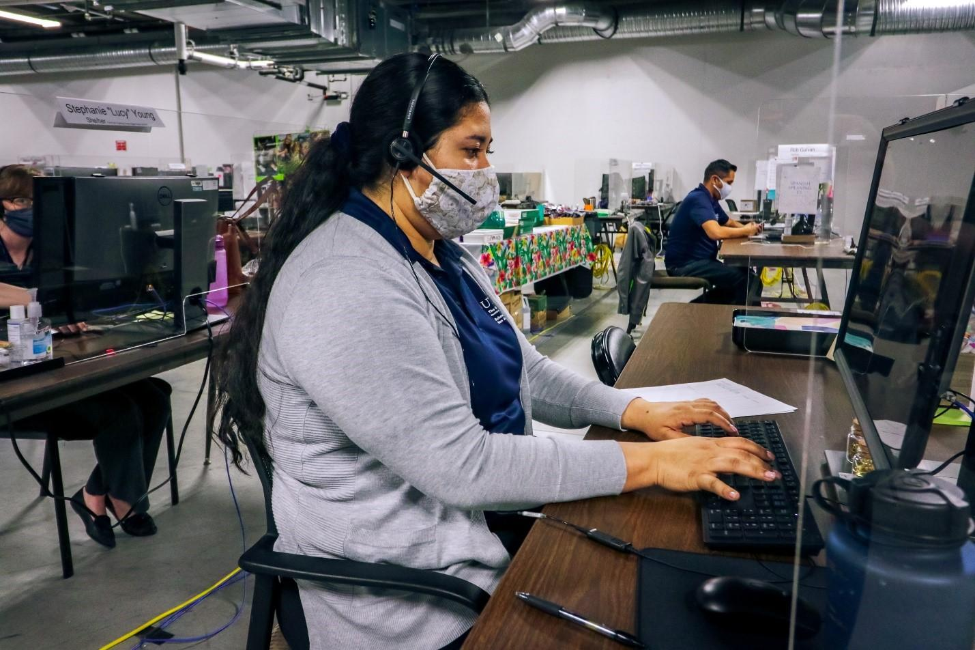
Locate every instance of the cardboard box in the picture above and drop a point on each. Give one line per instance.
(559, 316)
(538, 303)
(565, 221)
(538, 320)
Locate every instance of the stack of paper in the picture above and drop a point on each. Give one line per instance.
(739, 401)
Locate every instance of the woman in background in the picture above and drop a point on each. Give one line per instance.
(125, 425)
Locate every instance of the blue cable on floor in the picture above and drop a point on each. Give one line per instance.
(241, 577)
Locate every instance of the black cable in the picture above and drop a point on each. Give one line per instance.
(132, 511)
(940, 468)
(627, 547)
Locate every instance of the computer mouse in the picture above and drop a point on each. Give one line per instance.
(755, 606)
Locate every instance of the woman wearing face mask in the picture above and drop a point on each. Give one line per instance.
(125, 425)
(373, 361)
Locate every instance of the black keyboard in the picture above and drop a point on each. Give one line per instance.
(765, 517)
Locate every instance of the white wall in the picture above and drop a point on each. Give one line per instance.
(686, 101)
(222, 111)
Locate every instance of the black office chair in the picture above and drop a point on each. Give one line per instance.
(611, 349)
(667, 219)
(276, 593)
(732, 205)
(51, 476)
(663, 280)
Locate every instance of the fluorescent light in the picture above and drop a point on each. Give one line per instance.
(40, 22)
(227, 62)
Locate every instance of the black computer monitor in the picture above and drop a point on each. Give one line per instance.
(104, 247)
(639, 188)
(81, 171)
(911, 290)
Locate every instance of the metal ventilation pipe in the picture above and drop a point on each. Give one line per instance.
(917, 16)
(664, 19)
(111, 58)
(594, 19)
(808, 18)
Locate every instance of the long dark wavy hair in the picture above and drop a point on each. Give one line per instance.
(315, 192)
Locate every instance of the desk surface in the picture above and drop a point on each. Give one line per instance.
(46, 390)
(743, 252)
(562, 566)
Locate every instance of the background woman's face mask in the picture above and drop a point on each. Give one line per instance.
(20, 221)
(450, 214)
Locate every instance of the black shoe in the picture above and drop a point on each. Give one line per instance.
(99, 528)
(137, 524)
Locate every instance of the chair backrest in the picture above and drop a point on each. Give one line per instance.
(611, 349)
(263, 466)
(732, 205)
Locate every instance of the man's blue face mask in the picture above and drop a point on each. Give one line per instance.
(20, 221)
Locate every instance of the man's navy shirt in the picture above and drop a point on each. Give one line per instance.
(687, 242)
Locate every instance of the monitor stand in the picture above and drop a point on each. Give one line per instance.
(966, 473)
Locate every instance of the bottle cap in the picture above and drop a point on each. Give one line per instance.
(34, 310)
(218, 243)
(17, 312)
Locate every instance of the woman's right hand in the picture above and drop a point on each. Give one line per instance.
(693, 463)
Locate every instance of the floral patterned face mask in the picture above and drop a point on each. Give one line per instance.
(450, 214)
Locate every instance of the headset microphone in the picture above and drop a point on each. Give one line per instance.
(397, 149)
(404, 147)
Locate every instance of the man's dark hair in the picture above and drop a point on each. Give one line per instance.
(720, 168)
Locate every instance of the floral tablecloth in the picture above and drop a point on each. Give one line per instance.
(536, 256)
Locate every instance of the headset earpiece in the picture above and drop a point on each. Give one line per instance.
(403, 152)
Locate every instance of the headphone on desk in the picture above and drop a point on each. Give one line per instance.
(405, 149)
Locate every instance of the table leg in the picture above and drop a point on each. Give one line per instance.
(60, 515)
(605, 235)
(822, 286)
(211, 402)
(805, 280)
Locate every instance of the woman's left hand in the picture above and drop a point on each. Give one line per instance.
(665, 420)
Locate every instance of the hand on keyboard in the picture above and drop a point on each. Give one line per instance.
(693, 463)
(664, 420)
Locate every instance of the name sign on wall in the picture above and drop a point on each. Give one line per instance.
(97, 115)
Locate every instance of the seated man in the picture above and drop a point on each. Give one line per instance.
(697, 227)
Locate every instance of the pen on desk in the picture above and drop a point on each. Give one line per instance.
(556, 610)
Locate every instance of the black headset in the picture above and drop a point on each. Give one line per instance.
(405, 150)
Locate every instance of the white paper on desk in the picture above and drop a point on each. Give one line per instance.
(739, 401)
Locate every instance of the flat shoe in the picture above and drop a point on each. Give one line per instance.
(138, 524)
(99, 528)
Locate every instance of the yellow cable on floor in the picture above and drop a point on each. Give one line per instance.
(167, 613)
(600, 268)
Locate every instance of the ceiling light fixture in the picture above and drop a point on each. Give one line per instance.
(31, 20)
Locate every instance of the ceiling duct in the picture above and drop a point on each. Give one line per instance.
(102, 58)
(807, 18)
(332, 33)
(596, 20)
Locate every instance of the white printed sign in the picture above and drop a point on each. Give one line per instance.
(798, 190)
(89, 114)
(795, 151)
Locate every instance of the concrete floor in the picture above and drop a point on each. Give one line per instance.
(114, 591)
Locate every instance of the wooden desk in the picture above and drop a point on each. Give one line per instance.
(684, 343)
(743, 252)
(46, 390)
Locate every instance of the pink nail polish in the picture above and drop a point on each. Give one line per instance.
(733, 495)
(770, 475)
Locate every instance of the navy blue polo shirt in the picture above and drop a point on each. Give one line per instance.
(687, 242)
(492, 352)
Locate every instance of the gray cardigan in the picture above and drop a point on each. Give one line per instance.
(377, 454)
